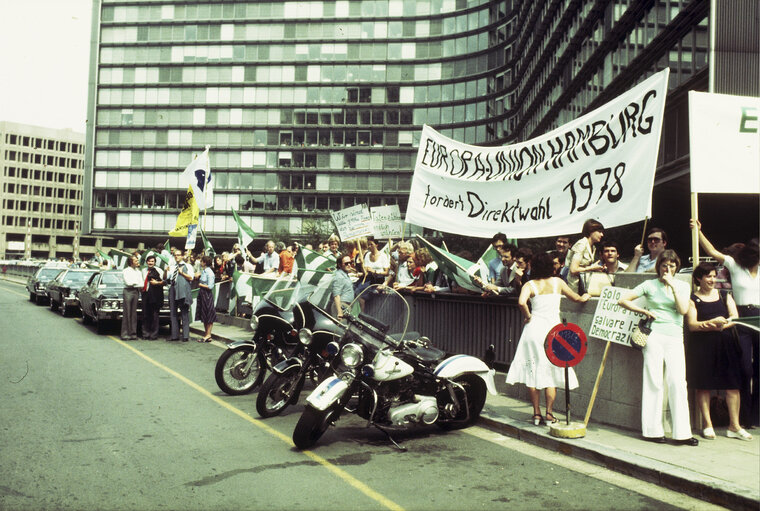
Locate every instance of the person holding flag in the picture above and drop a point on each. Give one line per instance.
(179, 275)
(205, 312)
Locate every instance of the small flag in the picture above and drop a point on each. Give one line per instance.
(207, 248)
(454, 267)
(198, 176)
(188, 215)
(119, 258)
(244, 233)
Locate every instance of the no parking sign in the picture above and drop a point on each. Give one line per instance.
(566, 345)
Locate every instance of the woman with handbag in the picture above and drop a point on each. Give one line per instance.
(667, 303)
(713, 355)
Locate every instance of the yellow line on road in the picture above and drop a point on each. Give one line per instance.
(346, 477)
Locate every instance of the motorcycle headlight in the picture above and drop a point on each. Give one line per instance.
(332, 348)
(352, 355)
(305, 336)
(254, 322)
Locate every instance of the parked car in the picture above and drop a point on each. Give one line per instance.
(62, 289)
(101, 300)
(37, 282)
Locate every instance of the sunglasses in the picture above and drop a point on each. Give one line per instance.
(654, 240)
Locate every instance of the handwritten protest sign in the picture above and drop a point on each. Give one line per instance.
(387, 221)
(600, 165)
(613, 322)
(723, 125)
(353, 222)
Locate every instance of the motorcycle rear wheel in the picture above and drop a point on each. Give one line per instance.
(475, 388)
(312, 425)
(273, 395)
(229, 371)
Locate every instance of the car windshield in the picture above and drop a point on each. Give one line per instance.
(48, 273)
(76, 277)
(113, 279)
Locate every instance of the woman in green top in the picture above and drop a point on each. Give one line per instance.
(667, 301)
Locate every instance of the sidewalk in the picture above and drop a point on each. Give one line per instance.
(723, 471)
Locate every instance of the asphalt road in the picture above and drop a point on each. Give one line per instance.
(91, 422)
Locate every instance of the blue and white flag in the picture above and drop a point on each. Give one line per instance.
(198, 176)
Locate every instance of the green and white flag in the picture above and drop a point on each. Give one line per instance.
(457, 269)
(313, 266)
(119, 258)
(244, 233)
(103, 257)
(162, 260)
(207, 248)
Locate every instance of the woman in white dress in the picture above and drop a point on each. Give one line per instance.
(531, 366)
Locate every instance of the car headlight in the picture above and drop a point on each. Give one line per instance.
(352, 354)
(254, 322)
(305, 336)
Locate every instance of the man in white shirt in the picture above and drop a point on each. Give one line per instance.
(269, 260)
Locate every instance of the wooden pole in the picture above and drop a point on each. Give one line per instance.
(596, 384)
(695, 231)
(644, 233)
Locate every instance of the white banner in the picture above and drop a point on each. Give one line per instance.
(387, 221)
(599, 166)
(724, 142)
(353, 222)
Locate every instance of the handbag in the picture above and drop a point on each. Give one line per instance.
(641, 333)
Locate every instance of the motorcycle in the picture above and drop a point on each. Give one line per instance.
(284, 384)
(393, 378)
(275, 322)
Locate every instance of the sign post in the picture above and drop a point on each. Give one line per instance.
(566, 346)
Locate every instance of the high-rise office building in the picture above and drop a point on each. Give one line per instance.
(317, 105)
(41, 195)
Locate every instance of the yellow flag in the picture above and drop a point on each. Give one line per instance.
(189, 215)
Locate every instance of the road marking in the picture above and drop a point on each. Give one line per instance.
(14, 292)
(346, 477)
(651, 490)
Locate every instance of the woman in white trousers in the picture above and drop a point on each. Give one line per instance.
(667, 302)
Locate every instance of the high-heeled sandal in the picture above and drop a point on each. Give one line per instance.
(551, 419)
(538, 420)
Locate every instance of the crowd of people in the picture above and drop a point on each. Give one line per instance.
(694, 338)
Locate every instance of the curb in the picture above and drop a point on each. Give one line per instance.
(673, 477)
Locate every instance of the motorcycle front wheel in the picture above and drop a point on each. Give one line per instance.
(279, 391)
(230, 372)
(312, 425)
(475, 389)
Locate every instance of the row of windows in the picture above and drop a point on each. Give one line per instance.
(40, 223)
(43, 143)
(42, 191)
(220, 224)
(48, 176)
(289, 10)
(286, 53)
(239, 202)
(269, 181)
(41, 159)
(14, 205)
(237, 31)
(263, 74)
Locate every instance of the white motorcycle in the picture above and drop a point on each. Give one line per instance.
(393, 378)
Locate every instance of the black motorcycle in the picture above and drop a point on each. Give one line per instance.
(275, 322)
(393, 378)
(283, 386)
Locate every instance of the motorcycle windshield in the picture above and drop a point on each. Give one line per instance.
(385, 309)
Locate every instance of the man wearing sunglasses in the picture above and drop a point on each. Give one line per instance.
(657, 242)
(342, 289)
